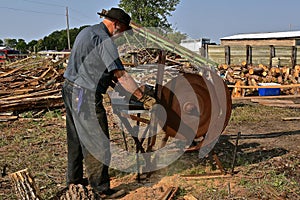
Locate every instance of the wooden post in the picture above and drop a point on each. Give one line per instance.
(24, 185)
(294, 56)
(272, 54)
(227, 55)
(134, 58)
(158, 90)
(249, 55)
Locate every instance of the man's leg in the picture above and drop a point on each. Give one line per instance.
(74, 151)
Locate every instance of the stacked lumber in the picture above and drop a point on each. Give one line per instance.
(30, 84)
(250, 75)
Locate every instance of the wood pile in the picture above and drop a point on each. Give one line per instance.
(30, 84)
(34, 83)
(143, 65)
(248, 75)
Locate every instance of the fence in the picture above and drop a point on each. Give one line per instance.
(253, 55)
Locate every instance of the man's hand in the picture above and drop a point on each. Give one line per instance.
(148, 101)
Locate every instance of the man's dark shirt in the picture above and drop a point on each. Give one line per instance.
(93, 59)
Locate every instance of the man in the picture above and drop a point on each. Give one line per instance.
(93, 66)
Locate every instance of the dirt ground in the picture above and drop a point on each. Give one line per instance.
(267, 159)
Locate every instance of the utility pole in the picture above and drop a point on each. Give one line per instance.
(68, 32)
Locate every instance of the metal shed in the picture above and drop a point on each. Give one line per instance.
(287, 38)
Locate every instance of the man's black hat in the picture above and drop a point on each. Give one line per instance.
(117, 14)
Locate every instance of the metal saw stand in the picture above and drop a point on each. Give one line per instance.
(135, 114)
(123, 114)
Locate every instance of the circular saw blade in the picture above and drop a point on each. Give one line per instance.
(189, 101)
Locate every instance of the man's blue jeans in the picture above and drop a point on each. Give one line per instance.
(82, 134)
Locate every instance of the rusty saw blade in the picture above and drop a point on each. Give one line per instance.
(189, 101)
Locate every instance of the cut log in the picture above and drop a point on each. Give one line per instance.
(280, 79)
(286, 74)
(78, 191)
(237, 91)
(293, 79)
(24, 185)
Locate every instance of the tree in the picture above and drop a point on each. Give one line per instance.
(10, 42)
(1, 42)
(176, 36)
(21, 45)
(150, 13)
(31, 46)
(40, 46)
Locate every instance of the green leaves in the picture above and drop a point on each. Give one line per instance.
(150, 13)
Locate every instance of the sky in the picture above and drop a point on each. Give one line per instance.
(213, 19)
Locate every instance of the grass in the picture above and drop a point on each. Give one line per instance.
(40, 146)
(245, 113)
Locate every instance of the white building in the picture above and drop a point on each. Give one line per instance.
(194, 44)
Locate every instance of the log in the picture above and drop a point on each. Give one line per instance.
(75, 192)
(293, 79)
(24, 185)
(286, 74)
(238, 91)
(280, 79)
(296, 73)
(5, 118)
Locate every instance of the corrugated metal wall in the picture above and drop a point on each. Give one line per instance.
(259, 54)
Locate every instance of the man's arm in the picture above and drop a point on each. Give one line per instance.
(128, 83)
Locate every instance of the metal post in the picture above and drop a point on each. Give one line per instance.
(68, 32)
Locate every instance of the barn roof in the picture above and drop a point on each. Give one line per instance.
(269, 35)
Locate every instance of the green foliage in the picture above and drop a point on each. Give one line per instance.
(53, 114)
(176, 36)
(150, 13)
(10, 42)
(57, 40)
(21, 46)
(31, 45)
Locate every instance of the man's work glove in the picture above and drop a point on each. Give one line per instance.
(147, 101)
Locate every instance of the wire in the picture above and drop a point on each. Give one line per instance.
(48, 4)
(32, 11)
(80, 13)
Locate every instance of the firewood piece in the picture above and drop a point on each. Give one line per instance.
(296, 73)
(24, 185)
(5, 118)
(280, 79)
(12, 71)
(255, 77)
(169, 194)
(237, 91)
(293, 79)
(264, 73)
(34, 80)
(229, 78)
(287, 73)
(290, 118)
